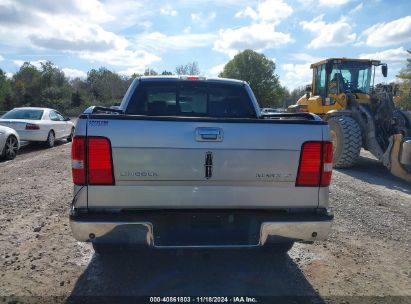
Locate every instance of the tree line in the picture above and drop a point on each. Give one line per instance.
(48, 86)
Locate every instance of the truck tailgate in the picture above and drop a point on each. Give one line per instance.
(176, 163)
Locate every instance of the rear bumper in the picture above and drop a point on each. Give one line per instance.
(142, 229)
(33, 135)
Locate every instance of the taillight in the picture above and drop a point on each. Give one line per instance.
(31, 126)
(98, 165)
(100, 169)
(315, 166)
(327, 164)
(78, 160)
(310, 165)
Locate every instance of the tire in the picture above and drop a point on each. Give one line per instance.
(278, 248)
(347, 141)
(51, 139)
(10, 148)
(107, 248)
(70, 138)
(103, 249)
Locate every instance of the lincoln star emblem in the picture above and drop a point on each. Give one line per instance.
(208, 165)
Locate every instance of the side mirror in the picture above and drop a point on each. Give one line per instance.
(308, 90)
(384, 70)
(67, 119)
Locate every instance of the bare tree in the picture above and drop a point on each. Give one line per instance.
(150, 72)
(191, 68)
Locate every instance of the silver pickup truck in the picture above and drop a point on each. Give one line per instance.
(191, 162)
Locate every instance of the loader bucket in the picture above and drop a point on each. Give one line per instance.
(400, 157)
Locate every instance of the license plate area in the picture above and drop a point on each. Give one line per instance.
(206, 229)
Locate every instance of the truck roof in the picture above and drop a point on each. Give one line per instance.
(189, 78)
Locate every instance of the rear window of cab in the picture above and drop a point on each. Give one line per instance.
(191, 98)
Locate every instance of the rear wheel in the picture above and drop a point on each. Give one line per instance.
(347, 141)
(51, 138)
(103, 248)
(278, 248)
(107, 248)
(10, 148)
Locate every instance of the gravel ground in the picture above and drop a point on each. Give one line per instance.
(367, 254)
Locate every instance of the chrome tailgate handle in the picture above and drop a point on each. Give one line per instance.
(209, 134)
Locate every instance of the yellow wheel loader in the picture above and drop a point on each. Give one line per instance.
(359, 114)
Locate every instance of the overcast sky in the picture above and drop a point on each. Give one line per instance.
(128, 36)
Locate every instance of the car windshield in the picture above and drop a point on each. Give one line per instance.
(352, 77)
(29, 114)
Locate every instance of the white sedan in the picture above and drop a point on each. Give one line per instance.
(9, 143)
(39, 125)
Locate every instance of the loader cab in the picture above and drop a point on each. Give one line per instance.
(334, 78)
(377, 124)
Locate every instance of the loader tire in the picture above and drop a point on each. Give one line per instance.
(347, 141)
